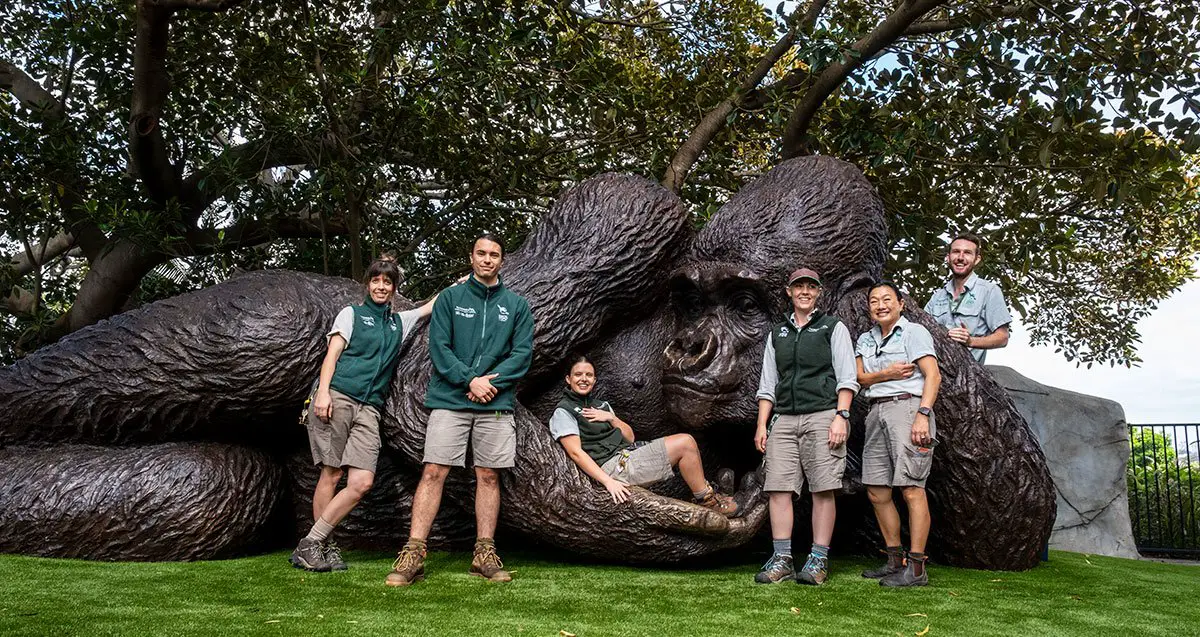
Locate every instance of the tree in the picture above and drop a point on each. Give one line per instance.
(312, 136)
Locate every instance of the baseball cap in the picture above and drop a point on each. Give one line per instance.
(804, 273)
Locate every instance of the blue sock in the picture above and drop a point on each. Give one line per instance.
(821, 551)
(782, 547)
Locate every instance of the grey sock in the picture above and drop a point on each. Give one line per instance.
(820, 550)
(320, 530)
(782, 547)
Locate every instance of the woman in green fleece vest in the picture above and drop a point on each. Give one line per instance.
(343, 417)
(603, 445)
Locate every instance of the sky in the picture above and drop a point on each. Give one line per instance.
(1165, 388)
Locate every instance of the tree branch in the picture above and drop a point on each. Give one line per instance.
(795, 135)
(18, 302)
(238, 163)
(255, 232)
(972, 19)
(212, 6)
(31, 94)
(24, 263)
(714, 120)
(148, 147)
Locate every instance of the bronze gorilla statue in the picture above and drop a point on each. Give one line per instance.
(169, 432)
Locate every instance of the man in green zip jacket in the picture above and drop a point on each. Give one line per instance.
(481, 344)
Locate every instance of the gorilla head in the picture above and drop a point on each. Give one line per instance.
(815, 212)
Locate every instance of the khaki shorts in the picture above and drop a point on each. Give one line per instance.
(798, 451)
(890, 459)
(645, 464)
(493, 437)
(349, 439)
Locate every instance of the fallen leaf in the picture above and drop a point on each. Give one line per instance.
(273, 621)
(923, 632)
(996, 580)
(795, 610)
(1088, 561)
(563, 633)
(351, 621)
(916, 615)
(320, 617)
(1077, 598)
(953, 594)
(820, 603)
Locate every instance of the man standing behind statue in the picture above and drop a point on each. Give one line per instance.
(481, 344)
(808, 380)
(973, 309)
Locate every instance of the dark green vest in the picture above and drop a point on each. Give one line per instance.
(600, 440)
(364, 370)
(804, 358)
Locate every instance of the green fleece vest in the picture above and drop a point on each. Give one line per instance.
(474, 331)
(804, 358)
(600, 440)
(365, 368)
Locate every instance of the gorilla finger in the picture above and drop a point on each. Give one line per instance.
(679, 516)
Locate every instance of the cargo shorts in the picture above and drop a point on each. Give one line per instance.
(349, 439)
(641, 463)
(890, 459)
(798, 452)
(492, 435)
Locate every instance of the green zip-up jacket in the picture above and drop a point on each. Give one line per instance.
(364, 370)
(474, 331)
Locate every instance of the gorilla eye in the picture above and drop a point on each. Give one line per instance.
(745, 304)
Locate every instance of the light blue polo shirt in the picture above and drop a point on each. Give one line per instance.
(908, 342)
(981, 308)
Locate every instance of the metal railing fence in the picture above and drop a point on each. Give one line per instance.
(1163, 476)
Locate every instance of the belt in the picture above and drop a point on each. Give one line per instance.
(892, 399)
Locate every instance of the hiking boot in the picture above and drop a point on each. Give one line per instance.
(777, 569)
(907, 576)
(718, 502)
(814, 572)
(487, 564)
(310, 556)
(409, 567)
(878, 572)
(333, 557)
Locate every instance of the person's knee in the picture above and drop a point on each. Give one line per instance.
(331, 474)
(914, 495)
(879, 495)
(435, 473)
(360, 483)
(487, 477)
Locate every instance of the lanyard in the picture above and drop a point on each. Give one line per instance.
(880, 346)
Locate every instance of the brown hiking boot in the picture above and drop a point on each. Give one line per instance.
(487, 564)
(409, 566)
(719, 502)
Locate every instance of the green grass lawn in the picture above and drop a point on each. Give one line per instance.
(1072, 594)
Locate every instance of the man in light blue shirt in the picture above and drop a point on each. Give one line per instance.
(971, 308)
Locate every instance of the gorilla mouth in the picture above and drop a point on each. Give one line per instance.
(672, 383)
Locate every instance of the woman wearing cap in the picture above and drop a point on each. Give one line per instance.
(898, 366)
(808, 380)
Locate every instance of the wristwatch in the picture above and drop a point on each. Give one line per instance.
(924, 411)
(844, 413)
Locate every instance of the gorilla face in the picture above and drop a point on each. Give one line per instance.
(712, 363)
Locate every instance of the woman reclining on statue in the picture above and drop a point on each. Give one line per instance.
(603, 446)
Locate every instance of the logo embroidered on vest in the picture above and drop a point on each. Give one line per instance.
(503, 313)
(465, 312)
(783, 332)
(369, 321)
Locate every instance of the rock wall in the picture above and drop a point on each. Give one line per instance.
(1086, 442)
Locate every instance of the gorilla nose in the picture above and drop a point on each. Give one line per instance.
(691, 351)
